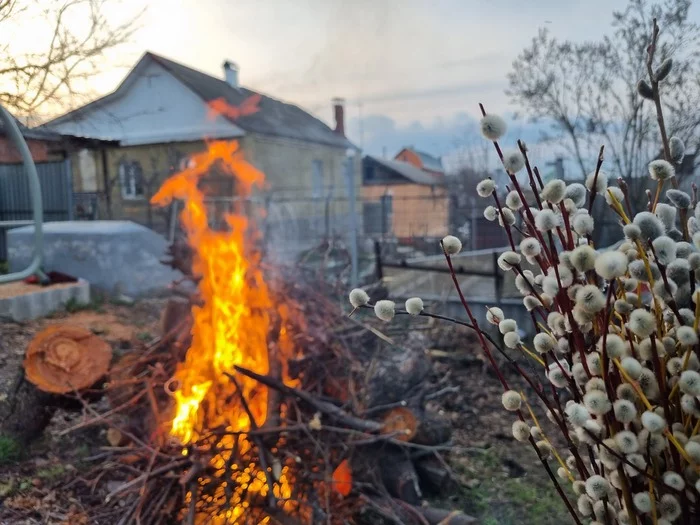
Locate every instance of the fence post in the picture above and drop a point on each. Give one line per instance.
(350, 179)
(67, 165)
(378, 260)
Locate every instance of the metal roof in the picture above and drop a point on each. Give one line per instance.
(407, 171)
(274, 118)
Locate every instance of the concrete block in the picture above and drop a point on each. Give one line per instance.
(117, 257)
(23, 302)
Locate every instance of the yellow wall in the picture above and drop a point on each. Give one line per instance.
(287, 164)
(417, 210)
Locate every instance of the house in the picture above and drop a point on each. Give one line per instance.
(403, 201)
(162, 112)
(44, 145)
(422, 161)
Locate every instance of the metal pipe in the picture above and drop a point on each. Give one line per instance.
(15, 135)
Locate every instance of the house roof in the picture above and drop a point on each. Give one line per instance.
(429, 161)
(33, 133)
(407, 171)
(275, 118)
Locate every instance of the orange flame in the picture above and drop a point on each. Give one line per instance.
(231, 326)
(219, 106)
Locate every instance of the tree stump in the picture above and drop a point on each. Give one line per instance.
(59, 360)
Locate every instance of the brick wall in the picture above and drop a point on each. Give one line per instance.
(10, 155)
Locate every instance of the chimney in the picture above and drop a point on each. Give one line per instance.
(231, 73)
(339, 113)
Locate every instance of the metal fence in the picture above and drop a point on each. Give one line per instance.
(15, 199)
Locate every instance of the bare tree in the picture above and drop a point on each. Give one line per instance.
(589, 90)
(78, 34)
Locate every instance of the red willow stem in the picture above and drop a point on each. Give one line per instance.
(595, 179)
(506, 226)
(567, 225)
(504, 383)
(523, 150)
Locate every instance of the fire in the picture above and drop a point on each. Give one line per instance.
(232, 324)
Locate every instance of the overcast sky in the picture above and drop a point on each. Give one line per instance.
(414, 69)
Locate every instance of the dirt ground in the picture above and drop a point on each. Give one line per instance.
(501, 480)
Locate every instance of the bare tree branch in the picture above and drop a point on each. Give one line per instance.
(81, 34)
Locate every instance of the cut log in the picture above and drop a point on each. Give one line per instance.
(399, 477)
(433, 429)
(395, 375)
(61, 359)
(402, 422)
(433, 475)
(26, 411)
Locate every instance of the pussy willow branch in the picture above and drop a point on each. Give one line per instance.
(484, 346)
(656, 95)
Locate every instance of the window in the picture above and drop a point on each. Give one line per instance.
(317, 179)
(131, 180)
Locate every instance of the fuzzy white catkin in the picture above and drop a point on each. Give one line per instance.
(686, 336)
(507, 325)
(490, 213)
(530, 247)
(597, 402)
(598, 183)
(554, 191)
(485, 187)
(583, 258)
(521, 430)
(493, 127)
(692, 448)
(577, 414)
(642, 323)
(511, 400)
(511, 339)
(577, 193)
(506, 217)
(666, 214)
(653, 422)
(513, 200)
(642, 502)
(583, 223)
(610, 265)
(616, 193)
(626, 441)
(689, 383)
(513, 161)
(508, 259)
(665, 249)
(452, 245)
(679, 199)
(650, 227)
(544, 343)
(624, 410)
(546, 220)
(385, 310)
(597, 487)
(590, 298)
(661, 170)
(632, 367)
(614, 346)
(669, 507)
(414, 305)
(673, 480)
(358, 297)
(494, 315)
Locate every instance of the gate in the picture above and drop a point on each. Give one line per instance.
(15, 199)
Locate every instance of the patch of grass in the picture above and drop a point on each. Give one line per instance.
(10, 450)
(4, 267)
(144, 336)
(495, 497)
(51, 473)
(72, 305)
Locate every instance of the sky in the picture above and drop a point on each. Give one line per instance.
(412, 72)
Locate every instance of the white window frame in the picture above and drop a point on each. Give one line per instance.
(127, 181)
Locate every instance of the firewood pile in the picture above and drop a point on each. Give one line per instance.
(347, 437)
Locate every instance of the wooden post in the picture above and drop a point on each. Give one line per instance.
(378, 259)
